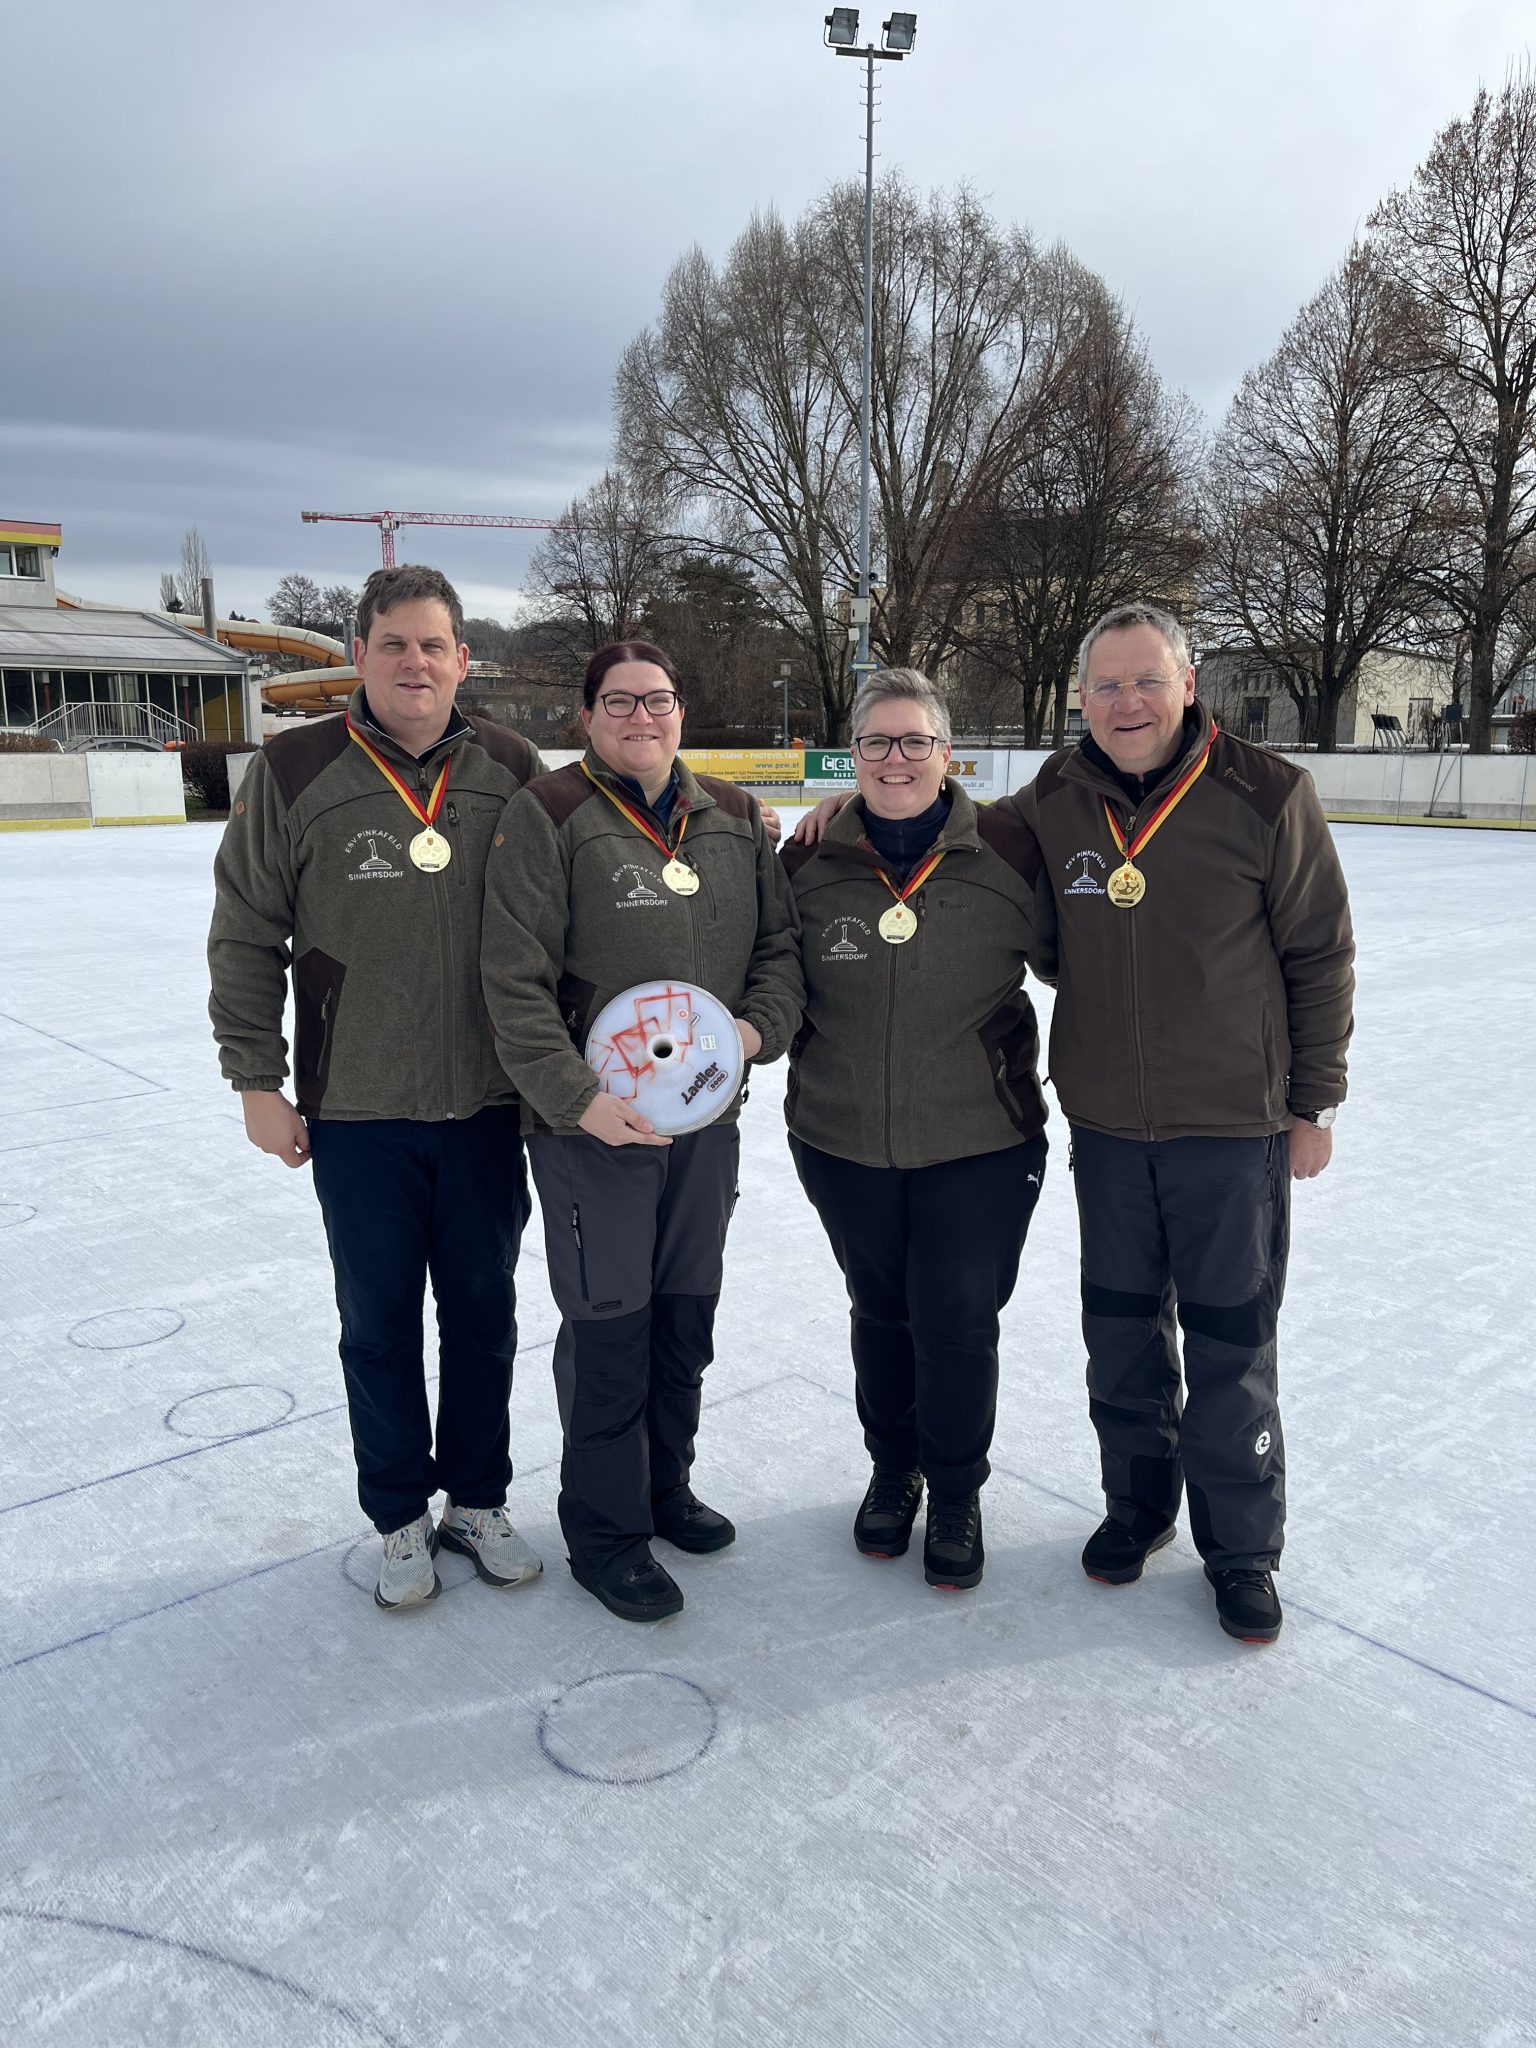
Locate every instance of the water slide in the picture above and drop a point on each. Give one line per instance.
(331, 681)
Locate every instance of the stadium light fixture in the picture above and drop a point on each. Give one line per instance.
(899, 33)
(842, 28)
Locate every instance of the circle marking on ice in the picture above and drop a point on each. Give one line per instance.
(126, 1329)
(628, 1727)
(240, 1409)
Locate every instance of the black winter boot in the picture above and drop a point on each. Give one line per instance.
(641, 1590)
(953, 1556)
(883, 1525)
(1116, 1554)
(1247, 1605)
(681, 1519)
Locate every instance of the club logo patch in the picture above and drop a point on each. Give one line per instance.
(373, 861)
(843, 945)
(637, 889)
(1086, 882)
(1263, 1444)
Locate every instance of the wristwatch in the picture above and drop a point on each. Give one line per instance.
(1323, 1118)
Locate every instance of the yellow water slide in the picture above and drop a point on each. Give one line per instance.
(331, 681)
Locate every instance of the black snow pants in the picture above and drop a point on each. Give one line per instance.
(1193, 1230)
(635, 1237)
(930, 1255)
(405, 1203)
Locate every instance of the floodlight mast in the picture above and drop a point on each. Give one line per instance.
(841, 35)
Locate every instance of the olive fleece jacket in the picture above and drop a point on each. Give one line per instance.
(927, 1051)
(1224, 998)
(314, 870)
(576, 911)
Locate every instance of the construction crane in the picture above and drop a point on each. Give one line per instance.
(389, 523)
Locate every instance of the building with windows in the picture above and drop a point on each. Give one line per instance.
(84, 673)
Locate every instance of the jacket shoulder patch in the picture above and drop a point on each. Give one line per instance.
(507, 748)
(794, 854)
(562, 792)
(296, 758)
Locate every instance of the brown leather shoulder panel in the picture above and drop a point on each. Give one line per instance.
(507, 748)
(562, 792)
(728, 798)
(1006, 833)
(1254, 775)
(794, 854)
(296, 758)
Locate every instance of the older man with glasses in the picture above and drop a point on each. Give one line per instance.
(1198, 1049)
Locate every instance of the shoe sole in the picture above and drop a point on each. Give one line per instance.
(618, 1607)
(404, 1606)
(694, 1548)
(888, 1552)
(1129, 1574)
(449, 1540)
(956, 1582)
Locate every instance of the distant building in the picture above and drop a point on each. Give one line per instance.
(1248, 698)
(85, 673)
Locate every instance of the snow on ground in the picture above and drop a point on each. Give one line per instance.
(826, 1805)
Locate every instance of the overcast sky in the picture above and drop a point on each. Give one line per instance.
(345, 256)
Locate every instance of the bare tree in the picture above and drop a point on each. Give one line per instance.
(170, 596)
(743, 401)
(1093, 506)
(1324, 496)
(604, 556)
(1461, 240)
(194, 566)
(338, 605)
(297, 602)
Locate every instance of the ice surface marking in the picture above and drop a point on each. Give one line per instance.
(127, 1329)
(243, 1408)
(628, 1727)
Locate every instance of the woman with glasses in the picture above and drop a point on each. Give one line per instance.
(625, 868)
(915, 1114)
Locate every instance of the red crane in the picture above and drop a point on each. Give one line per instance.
(389, 523)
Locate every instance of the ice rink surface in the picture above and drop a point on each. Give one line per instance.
(826, 1805)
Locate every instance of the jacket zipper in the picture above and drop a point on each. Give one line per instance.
(1133, 979)
(325, 1031)
(445, 953)
(456, 841)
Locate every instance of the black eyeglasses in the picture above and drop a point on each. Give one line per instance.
(621, 703)
(915, 746)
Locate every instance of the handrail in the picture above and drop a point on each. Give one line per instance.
(78, 726)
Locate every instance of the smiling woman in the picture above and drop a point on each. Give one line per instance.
(915, 1114)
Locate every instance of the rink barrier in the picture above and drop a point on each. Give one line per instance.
(49, 792)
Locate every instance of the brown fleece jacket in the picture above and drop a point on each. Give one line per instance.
(576, 911)
(1224, 995)
(313, 868)
(926, 1051)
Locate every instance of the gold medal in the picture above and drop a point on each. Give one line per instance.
(430, 851)
(680, 878)
(1126, 887)
(898, 924)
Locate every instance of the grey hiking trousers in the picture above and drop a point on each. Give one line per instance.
(635, 1238)
(1193, 1233)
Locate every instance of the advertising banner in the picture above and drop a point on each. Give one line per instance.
(828, 768)
(745, 764)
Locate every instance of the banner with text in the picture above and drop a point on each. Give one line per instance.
(981, 771)
(775, 766)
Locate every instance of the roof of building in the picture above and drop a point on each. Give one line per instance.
(123, 642)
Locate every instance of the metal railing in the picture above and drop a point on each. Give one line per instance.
(75, 727)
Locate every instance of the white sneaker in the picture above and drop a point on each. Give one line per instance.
(407, 1576)
(489, 1541)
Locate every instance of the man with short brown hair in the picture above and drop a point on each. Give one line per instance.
(357, 851)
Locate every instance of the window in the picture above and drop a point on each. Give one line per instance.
(1256, 718)
(16, 560)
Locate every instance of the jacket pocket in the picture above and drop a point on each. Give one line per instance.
(1011, 1040)
(802, 1039)
(317, 986)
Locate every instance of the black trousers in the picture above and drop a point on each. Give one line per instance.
(930, 1255)
(1191, 1234)
(635, 1237)
(404, 1203)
